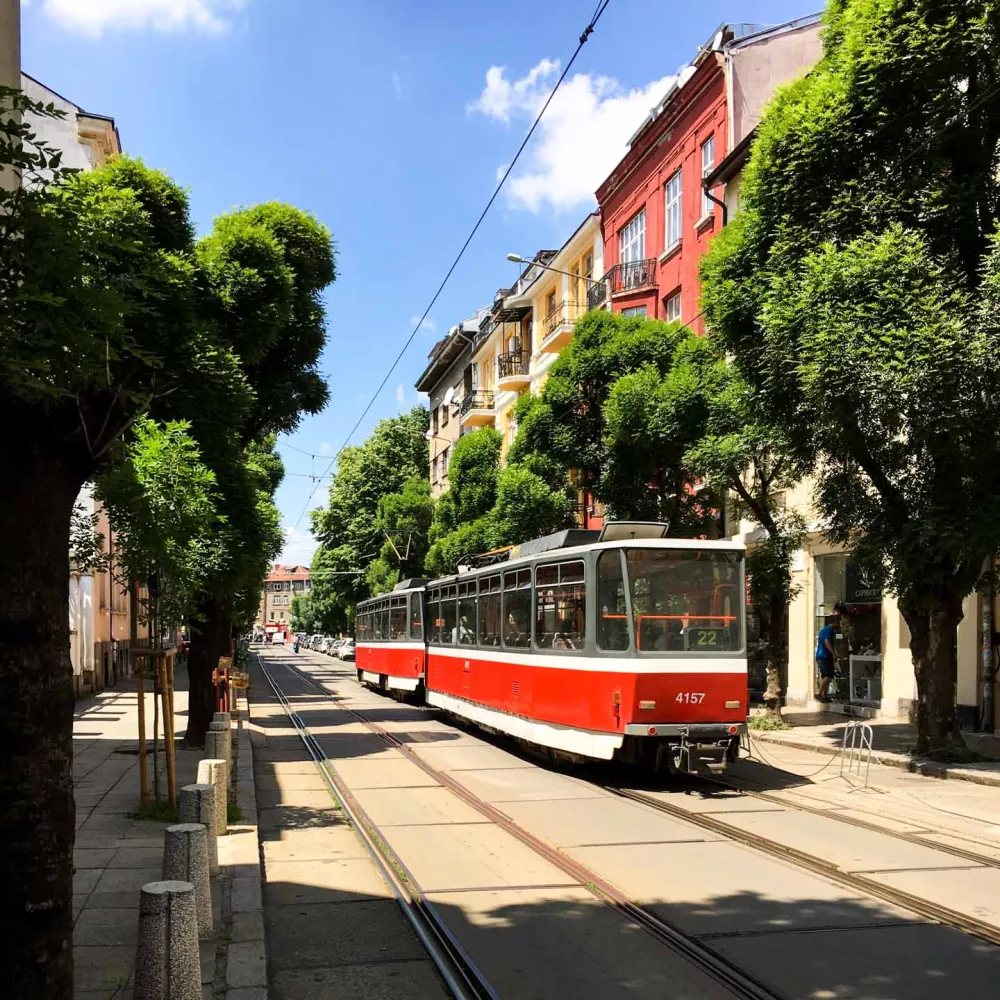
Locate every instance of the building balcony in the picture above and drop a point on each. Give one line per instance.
(478, 409)
(512, 370)
(557, 330)
(597, 295)
(632, 276)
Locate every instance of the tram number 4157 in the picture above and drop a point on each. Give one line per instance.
(690, 697)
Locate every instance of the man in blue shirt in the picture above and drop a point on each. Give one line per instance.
(826, 655)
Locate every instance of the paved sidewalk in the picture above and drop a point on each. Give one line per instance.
(116, 854)
(892, 741)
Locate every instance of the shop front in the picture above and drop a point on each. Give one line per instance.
(843, 589)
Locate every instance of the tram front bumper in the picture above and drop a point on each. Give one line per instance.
(695, 732)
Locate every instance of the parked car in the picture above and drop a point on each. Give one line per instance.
(327, 646)
(346, 650)
(317, 640)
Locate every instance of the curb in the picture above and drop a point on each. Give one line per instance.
(979, 774)
(246, 960)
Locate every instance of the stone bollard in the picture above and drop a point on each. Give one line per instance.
(196, 804)
(225, 717)
(167, 961)
(212, 771)
(185, 859)
(227, 735)
(215, 749)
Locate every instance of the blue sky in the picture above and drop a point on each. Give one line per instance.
(388, 120)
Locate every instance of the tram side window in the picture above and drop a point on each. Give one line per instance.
(449, 614)
(489, 611)
(397, 618)
(465, 632)
(433, 615)
(383, 621)
(359, 626)
(686, 600)
(612, 615)
(560, 606)
(416, 617)
(517, 609)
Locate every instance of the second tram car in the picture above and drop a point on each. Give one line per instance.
(617, 644)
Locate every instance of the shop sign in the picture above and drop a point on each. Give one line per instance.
(861, 589)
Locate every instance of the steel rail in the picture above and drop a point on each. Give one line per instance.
(455, 965)
(861, 824)
(820, 866)
(698, 953)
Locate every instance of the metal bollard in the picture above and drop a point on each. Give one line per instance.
(185, 859)
(196, 804)
(167, 962)
(213, 771)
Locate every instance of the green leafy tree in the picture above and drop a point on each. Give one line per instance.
(351, 528)
(106, 314)
(404, 518)
(857, 290)
(488, 505)
(97, 305)
(303, 614)
(162, 505)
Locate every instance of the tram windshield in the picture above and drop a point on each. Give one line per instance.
(685, 600)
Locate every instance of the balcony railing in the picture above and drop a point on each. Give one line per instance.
(478, 399)
(632, 275)
(597, 295)
(512, 363)
(567, 311)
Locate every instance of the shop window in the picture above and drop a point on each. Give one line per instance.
(560, 606)
(843, 587)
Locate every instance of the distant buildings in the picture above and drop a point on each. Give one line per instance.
(280, 586)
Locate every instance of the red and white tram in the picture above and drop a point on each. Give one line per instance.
(614, 644)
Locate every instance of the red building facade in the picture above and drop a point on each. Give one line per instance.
(656, 220)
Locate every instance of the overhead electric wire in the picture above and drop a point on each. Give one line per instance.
(601, 7)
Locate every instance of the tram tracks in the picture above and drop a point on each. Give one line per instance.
(926, 908)
(456, 966)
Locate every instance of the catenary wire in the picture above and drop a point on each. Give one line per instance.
(602, 6)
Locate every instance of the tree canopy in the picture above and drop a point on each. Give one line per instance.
(856, 290)
(352, 528)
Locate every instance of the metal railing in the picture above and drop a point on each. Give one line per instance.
(512, 363)
(567, 311)
(478, 399)
(632, 275)
(597, 294)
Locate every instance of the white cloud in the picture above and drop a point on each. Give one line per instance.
(300, 547)
(397, 84)
(581, 137)
(400, 394)
(428, 326)
(326, 448)
(92, 17)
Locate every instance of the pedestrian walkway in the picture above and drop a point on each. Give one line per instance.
(892, 744)
(117, 853)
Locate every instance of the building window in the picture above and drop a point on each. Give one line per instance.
(444, 414)
(444, 464)
(550, 304)
(707, 163)
(634, 311)
(674, 204)
(434, 421)
(588, 266)
(632, 239)
(674, 308)
(276, 586)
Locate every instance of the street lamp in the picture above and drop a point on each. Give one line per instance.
(515, 258)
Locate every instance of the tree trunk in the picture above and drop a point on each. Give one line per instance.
(933, 636)
(777, 655)
(37, 812)
(209, 640)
